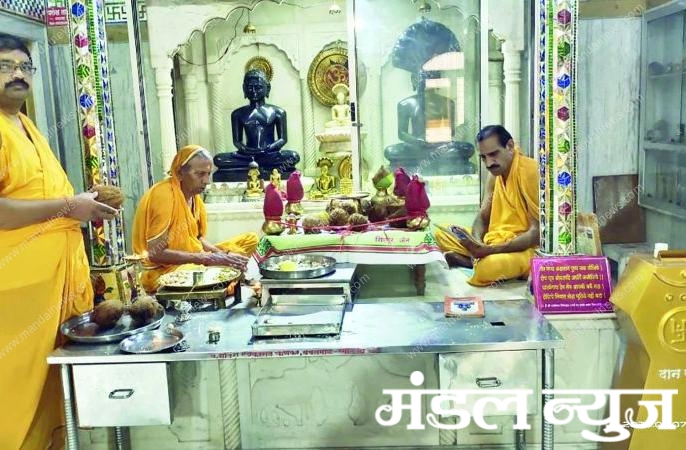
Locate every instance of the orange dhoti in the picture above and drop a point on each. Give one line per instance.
(492, 269)
(44, 280)
(514, 205)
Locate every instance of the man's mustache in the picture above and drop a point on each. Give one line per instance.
(21, 83)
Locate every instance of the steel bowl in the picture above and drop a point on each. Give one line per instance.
(153, 341)
(322, 265)
(83, 329)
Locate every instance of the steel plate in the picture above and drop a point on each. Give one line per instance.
(82, 329)
(309, 266)
(152, 341)
(353, 196)
(209, 277)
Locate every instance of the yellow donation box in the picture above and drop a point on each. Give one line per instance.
(651, 309)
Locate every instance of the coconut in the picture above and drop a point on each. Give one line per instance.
(377, 213)
(333, 204)
(324, 216)
(349, 206)
(396, 211)
(338, 217)
(109, 195)
(365, 205)
(143, 310)
(312, 222)
(106, 314)
(358, 221)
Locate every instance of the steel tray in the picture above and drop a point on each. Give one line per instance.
(209, 278)
(352, 196)
(82, 329)
(154, 341)
(269, 267)
(298, 320)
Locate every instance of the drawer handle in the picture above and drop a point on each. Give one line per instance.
(488, 382)
(121, 394)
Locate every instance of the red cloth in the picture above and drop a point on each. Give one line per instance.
(294, 188)
(273, 205)
(416, 201)
(402, 179)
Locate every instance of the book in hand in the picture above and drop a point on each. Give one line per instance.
(459, 232)
(463, 307)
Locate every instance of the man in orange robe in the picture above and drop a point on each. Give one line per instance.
(171, 222)
(505, 233)
(44, 274)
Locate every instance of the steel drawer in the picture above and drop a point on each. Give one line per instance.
(122, 394)
(491, 372)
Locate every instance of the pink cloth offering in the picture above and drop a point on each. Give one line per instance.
(294, 188)
(416, 201)
(402, 179)
(273, 205)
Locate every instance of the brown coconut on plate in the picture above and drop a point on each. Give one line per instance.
(333, 204)
(312, 223)
(349, 206)
(338, 217)
(377, 213)
(397, 211)
(143, 310)
(358, 222)
(106, 314)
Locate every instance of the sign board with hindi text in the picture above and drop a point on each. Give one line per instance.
(56, 16)
(571, 284)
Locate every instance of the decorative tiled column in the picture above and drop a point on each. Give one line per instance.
(556, 31)
(94, 106)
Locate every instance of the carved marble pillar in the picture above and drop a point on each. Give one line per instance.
(310, 152)
(230, 408)
(495, 91)
(372, 156)
(219, 142)
(496, 96)
(189, 77)
(163, 82)
(510, 30)
(512, 71)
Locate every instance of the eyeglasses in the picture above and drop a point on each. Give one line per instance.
(11, 67)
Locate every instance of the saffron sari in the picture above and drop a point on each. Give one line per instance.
(163, 211)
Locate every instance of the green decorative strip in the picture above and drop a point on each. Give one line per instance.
(550, 123)
(81, 42)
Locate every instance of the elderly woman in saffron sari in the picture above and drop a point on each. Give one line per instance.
(171, 222)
